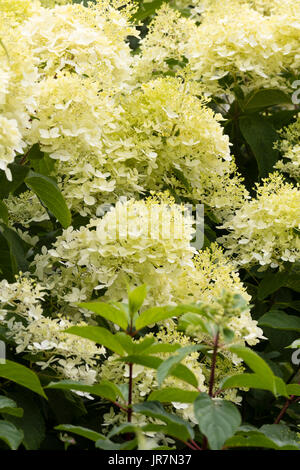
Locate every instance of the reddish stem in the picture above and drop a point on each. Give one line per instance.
(288, 402)
(120, 406)
(189, 445)
(293, 398)
(195, 444)
(204, 443)
(282, 412)
(213, 365)
(129, 409)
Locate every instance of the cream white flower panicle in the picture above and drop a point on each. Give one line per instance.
(230, 310)
(165, 40)
(81, 128)
(266, 7)
(11, 143)
(211, 275)
(289, 145)
(251, 43)
(71, 124)
(4, 80)
(177, 142)
(16, 12)
(22, 297)
(242, 46)
(17, 83)
(265, 231)
(286, 23)
(21, 312)
(193, 8)
(134, 143)
(140, 242)
(25, 208)
(52, 3)
(18, 73)
(87, 41)
(70, 356)
(135, 242)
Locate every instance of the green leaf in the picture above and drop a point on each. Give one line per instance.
(276, 386)
(263, 377)
(84, 2)
(48, 192)
(66, 406)
(22, 376)
(218, 419)
(104, 389)
(169, 364)
(293, 389)
(107, 444)
(134, 347)
(124, 428)
(173, 394)
(126, 342)
(18, 172)
(260, 135)
(163, 348)
(280, 434)
(7, 268)
(253, 360)
(144, 346)
(136, 298)
(265, 98)
(252, 439)
(181, 177)
(180, 429)
(3, 212)
(270, 436)
(107, 311)
(163, 448)
(152, 362)
(147, 9)
(80, 431)
(99, 335)
(180, 371)
(282, 118)
(270, 284)
(44, 166)
(8, 406)
(280, 320)
(35, 153)
(228, 335)
(16, 248)
(10, 434)
(40, 161)
(32, 422)
(292, 282)
(157, 314)
(294, 305)
(197, 320)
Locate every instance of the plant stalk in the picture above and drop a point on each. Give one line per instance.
(129, 409)
(213, 365)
